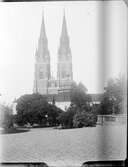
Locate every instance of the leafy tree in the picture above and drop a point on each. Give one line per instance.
(66, 118)
(34, 108)
(113, 97)
(53, 114)
(6, 117)
(83, 119)
(30, 109)
(79, 96)
(80, 101)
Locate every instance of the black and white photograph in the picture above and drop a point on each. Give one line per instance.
(63, 83)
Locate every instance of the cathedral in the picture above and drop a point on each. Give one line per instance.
(58, 89)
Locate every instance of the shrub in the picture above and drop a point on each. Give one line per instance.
(84, 119)
(77, 118)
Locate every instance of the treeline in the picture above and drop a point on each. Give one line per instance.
(34, 108)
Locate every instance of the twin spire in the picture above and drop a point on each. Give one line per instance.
(64, 39)
(42, 67)
(64, 32)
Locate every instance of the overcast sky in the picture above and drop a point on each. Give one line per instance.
(19, 32)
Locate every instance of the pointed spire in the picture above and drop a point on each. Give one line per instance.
(43, 41)
(42, 31)
(64, 27)
(64, 48)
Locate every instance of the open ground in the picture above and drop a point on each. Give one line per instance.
(68, 147)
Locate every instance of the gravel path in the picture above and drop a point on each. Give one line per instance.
(65, 147)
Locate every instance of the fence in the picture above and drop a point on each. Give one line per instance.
(111, 119)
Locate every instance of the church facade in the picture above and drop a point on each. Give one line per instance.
(44, 83)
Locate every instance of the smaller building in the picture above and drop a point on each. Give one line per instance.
(63, 99)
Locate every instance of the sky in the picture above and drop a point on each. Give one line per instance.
(19, 32)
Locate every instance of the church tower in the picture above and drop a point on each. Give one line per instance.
(64, 71)
(42, 65)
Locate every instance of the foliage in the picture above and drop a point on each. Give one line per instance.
(34, 109)
(79, 113)
(79, 96)
(53, 113)
(113, 97)
(84, 119)
(66, 118)
(77, 118)
(6, 117)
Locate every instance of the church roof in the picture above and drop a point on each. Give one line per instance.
(61, 97)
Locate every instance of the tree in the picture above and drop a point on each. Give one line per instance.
(66, 118)
(53, 114)
(34, 108)
(79, 96)
(6, 117)
(84, 119)
(79, 109)
(30, 109)
(113, 97)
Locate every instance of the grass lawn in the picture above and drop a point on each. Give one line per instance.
(67, 147)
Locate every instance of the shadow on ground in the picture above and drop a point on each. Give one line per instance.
(24, 164)
(15, 130)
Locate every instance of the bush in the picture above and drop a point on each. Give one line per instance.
(78, 117)
(84, 119)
